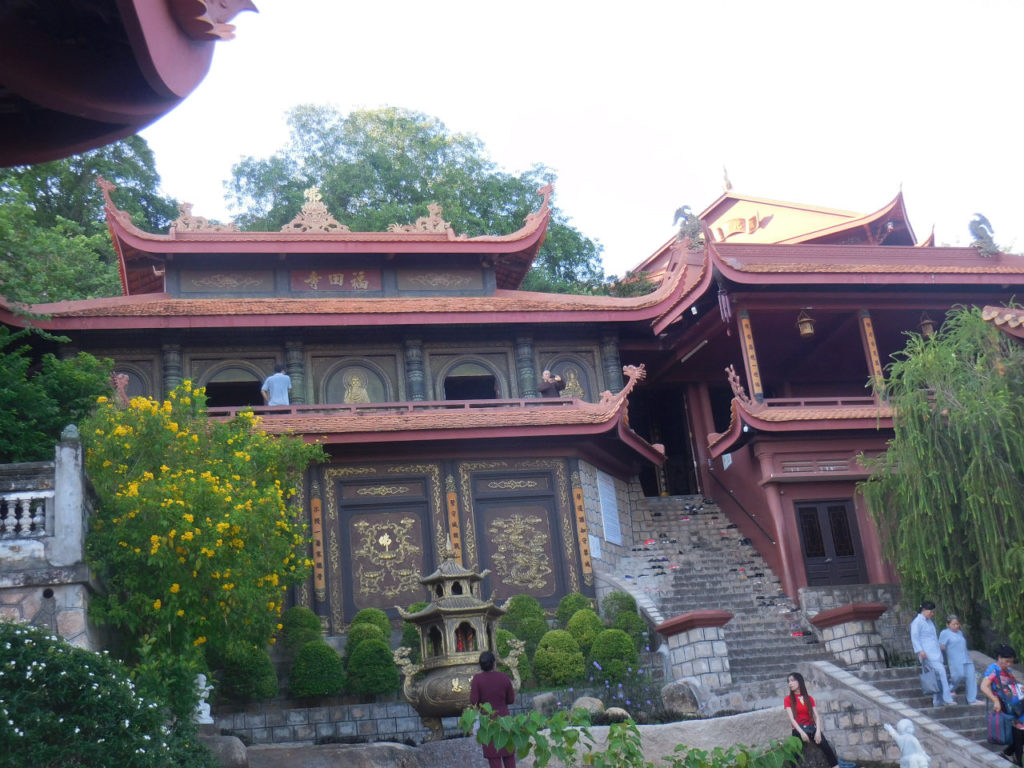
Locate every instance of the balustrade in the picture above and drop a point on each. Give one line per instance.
(23, 514)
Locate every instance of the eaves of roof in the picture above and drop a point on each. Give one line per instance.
(747, 416)
(1007, 319)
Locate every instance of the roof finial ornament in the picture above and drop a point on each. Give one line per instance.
(725, 177)
(433, 223)
(186, 222)
(981, 230)
(314, 216)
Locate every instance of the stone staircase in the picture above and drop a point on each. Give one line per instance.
(903, 684)
(690, 557)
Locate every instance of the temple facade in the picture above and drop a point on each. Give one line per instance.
(747, 375)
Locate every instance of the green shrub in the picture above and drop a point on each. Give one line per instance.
(63, 706)
(615, 603)
(372, 670)
(558, 659)
(568, 606)
(376, 617)
(317, 671)
(247, 674)
(612, 654)
(584, 626)
(633, 624)
(518, 609)
(531, 630)
(299, 626)
(357, 633)
(501, 640)
(410, 635)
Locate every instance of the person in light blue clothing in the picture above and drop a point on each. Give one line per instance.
(276, 388)
(961, 668)
(925, 640)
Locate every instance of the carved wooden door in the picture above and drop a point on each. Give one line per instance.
(831, 543)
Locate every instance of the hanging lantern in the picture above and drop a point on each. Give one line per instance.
(805, 324)
(927, 325)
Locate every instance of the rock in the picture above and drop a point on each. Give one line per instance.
(616, 715)
(545, 703)
(229, 750)
(680, 699)
(590, 704)
(380, 755)
(813, 757)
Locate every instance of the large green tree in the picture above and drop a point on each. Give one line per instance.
(38, 398)
(54, 243)
(949, 491)
(380, 167)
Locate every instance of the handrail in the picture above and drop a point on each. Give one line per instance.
(408, 406)
(790, 402)
(744, 509)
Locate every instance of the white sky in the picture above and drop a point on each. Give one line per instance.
(639, 105)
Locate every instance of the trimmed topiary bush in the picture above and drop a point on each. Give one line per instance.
(518, 609)
(247, 674)
(299, 625)
(63, 706)
(558, 659)
(633, 624)
(410, 636)
(531, 630)
(612, 653)
(525, 668)
(376, 617)
(372, 670)
(584, 626)
(568, 606)
(357, 634)
(317, 671)
(615, 603)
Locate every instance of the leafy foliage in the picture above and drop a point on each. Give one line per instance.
(61, 705)
(568, 606)
(359, 633)
(634, 625)
(410, 635)
(584, 626)
(299, 625)
(193, 535)
(380, 167)
(947, 493)
(519, 608)
(53, 238)
(372, 670)
(246, 674)
(558, 659)
(37, 402)
(501, 639)
(615, 603)
(566, 737)
(612, 654)
(374, 616)
(317, 671)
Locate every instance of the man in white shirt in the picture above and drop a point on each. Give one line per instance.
(276, 388)
(925, 640)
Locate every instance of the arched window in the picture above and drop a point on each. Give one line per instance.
(434, 641)
(465, 637)
(470, 381)
(234, 385)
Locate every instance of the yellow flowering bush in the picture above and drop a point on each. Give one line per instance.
(195, 536)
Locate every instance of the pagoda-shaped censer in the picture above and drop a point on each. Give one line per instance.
(453, 630)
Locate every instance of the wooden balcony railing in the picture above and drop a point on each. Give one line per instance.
(409, 406)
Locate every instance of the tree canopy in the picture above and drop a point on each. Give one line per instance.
(54, 243)
(949, 491)
(380, 167)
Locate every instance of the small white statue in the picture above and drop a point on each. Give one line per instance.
(202, 716)
(912, 753)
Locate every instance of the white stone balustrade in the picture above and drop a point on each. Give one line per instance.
(23, 514)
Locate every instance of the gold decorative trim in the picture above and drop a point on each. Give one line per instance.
(519, 556)
(582, 532)
(430, 223)
(454, 527)
(383, 490)
(314, 216)
(750, 354)
(512, 485)
(348, 471)
(186, 222)
(441, 280)
(226, 282)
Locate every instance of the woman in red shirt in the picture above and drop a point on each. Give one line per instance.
(804, 717)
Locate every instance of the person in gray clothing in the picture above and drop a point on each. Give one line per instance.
(925, 640)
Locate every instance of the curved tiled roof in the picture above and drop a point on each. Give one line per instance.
(1007, 319)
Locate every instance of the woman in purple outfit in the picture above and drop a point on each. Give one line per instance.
(493, 687)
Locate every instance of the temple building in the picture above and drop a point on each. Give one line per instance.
(747, 375)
